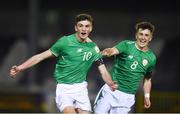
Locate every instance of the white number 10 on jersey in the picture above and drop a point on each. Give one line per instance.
(87, 56)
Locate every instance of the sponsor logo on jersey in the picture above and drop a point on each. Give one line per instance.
(97, 49)
(145, 62)
(79, 50)
(130, 56)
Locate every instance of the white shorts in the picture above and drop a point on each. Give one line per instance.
(75, 95)
(115, 102)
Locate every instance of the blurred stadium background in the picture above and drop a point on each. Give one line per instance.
(28, 27)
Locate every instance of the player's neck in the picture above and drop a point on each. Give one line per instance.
(81, 39)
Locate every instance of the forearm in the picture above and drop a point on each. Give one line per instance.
(105, 75)
(30, 62)
(147, 87)
(35, 60)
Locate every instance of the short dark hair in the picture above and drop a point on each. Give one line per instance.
(82, 17)
(145, 25)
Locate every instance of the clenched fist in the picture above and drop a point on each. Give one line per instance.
(14, 71)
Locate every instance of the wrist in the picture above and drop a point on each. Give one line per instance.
(147, 95)
(110, 83)
(20, 68)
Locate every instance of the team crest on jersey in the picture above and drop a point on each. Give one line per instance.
(97, 49)
(145, 62)
(79, 50)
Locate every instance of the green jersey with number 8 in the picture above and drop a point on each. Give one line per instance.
(74, 59)
(131, 65)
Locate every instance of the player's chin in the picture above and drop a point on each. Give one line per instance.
(142, 45)
(84, 36)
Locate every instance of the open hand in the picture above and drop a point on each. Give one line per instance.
(106, 52)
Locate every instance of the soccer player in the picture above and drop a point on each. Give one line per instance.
(133, 61)
(75, 53)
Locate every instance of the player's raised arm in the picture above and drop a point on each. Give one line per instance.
(110, 52)
(30, 62)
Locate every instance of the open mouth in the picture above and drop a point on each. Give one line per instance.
(83, 33)
(142, 42)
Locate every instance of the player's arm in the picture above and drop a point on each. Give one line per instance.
(30, 62)
(110, 52)
(105, 74)
(147, 89)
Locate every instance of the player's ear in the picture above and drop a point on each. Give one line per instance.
(91, 29)
(150, 37)
(75, 28)
(136, 35)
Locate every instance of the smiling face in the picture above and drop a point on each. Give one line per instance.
(144, 33)
(143, 37)
(83, 29)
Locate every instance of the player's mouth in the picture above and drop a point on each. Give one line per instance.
(142, 43)
(83, 33)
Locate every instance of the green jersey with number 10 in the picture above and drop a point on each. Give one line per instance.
(131, 65)
(74, 59)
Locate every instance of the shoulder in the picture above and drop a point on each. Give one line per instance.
(93, 44)
(62, 38)
(68, 37)
(89, 40)
(152, 56)
(127, 42)
(65, 38)
(62, 41)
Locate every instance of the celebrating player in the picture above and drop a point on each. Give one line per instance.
(75, 53)
(133, 61)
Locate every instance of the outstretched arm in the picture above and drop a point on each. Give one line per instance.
(30, 62)
(110, 52)
(147, 90)
(106, 76)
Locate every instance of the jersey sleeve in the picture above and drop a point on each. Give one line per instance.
(121, 47)
(97, 54)
(57, 48)
(151, 67)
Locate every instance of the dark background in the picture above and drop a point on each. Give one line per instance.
(28, 27)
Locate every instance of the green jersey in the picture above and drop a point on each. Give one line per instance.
(74, 59)
(131, 65)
